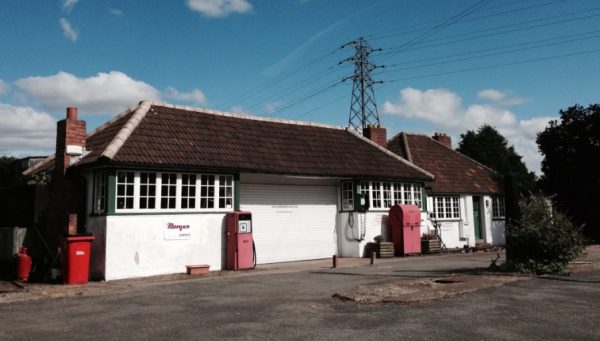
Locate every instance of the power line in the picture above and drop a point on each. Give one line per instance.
(441, 42)
(393, 68)
(450, 21)
(270, 84)
(296, 86)
(305, 97)
(493, 66)
(406, 30)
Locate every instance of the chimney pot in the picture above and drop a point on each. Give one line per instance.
(72, 114)
(443, 139)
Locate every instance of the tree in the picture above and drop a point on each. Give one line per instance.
(543, 241)
(490, 148)
(571, 164)
(7, 170)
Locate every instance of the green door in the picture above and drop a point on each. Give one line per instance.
(477, 217)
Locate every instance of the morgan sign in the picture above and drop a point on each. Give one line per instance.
(177, 231)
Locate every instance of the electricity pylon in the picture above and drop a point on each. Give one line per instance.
(363, 109)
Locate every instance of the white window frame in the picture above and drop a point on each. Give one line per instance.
(347, 190)
(446, 207)
(226, 179)
(382, 193)
(126, 195)
(191, 186)
(498, 208)
(100, 186)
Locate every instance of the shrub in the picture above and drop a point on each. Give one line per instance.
(544, 241)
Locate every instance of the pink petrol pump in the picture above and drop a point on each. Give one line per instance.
(241, 253)
(405, 229)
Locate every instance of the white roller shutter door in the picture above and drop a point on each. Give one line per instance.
(291, 223)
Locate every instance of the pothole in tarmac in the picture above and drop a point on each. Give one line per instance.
(423, 291)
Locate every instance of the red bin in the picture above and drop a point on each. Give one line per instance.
(76, 258)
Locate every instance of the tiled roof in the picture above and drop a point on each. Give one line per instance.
(454, 172)
(172, 136)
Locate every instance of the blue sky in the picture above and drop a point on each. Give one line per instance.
(510, 64)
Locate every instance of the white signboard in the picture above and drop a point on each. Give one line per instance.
(176, 231)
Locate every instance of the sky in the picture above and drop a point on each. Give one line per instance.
(444, 66)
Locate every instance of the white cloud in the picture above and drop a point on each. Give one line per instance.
(443, 108)
(3, 87)
(196, 95)
(69, 4)
(104, 93)
(116, 12)
(25, 131)
(68, 30)
(219, 8)
(435, 105)
(500, 97)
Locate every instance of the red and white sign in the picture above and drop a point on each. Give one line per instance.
(176, 231)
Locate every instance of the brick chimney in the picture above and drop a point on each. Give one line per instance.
(66, 193)
(70, 140)
(443, 139)
(376, 134)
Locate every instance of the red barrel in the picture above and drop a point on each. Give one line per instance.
(76, 258)
(23, 264)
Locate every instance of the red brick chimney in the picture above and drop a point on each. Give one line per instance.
(70, 140)
(66, 191)
(376, 134)
(443, 139)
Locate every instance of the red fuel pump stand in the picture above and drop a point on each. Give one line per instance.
(76, 258)
(405, 229)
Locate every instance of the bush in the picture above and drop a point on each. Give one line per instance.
(544, 241)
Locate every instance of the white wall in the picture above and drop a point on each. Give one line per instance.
(460, 233)
(136, 244)
(350, 228)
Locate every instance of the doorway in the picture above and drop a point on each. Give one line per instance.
(477, 218)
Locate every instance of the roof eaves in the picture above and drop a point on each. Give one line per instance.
(392, 154)
(40, 166)
(406, 147)
(121, 137)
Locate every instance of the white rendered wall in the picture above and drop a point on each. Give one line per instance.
(136, 244)
(349, 230)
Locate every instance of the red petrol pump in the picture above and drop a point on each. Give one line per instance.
(405, 229)
(241, 253)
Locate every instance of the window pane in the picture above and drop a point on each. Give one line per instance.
(376, 191)
(147, 190)
(168, 190)
(125, 190)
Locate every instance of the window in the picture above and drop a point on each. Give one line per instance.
(168, 190)
(376, 192)
(225, 191)
(99, 192)
(188, 191)
(179, 192)
(125, 185)
(386, 194)
(347, 196)
(498, 207)
(147, 190)
(207, 191)
(447, 207)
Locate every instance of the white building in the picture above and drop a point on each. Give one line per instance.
(465, 199)
(154, 184)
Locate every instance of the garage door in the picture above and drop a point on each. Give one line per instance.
(291, 222)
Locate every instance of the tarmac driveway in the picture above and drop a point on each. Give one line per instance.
(272, 303)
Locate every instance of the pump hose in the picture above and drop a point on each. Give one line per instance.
(253, 255)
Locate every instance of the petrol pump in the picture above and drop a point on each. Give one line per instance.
(241, 253)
